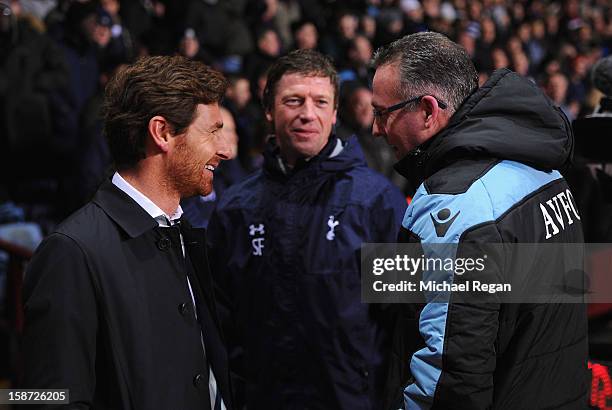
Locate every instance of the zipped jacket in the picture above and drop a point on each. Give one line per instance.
(285, 252)
(491, 176)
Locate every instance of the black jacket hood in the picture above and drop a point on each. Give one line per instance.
(509, 118)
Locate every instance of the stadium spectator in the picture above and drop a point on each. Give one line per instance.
(156, 33)
(32, 74)
(556, 38)
(355, 119)
(537, 47)
(268, 49)
(117, 46)
(305, 35)
(591, 176)
(577, 84)
(357, 60)
(336, 43)
(367, 26)
(189, 46)
(556, 89)
(249, 119)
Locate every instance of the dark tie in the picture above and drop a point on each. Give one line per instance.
(175, 226)
(199, 303)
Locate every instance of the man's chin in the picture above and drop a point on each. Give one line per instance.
(309, 149)
(206, 191)
(198, 191)
(206, 185)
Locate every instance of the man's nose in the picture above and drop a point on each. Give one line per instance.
(224, 150)
(376, 130)
(307, 112)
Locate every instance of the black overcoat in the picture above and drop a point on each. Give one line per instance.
(108, 313)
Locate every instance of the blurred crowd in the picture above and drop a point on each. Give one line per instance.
(56, 56)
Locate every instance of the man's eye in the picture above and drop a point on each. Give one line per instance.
(292, 101)
(323, 102)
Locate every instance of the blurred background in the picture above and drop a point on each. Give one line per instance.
(57, 55)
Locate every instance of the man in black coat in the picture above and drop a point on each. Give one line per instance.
(118, 300)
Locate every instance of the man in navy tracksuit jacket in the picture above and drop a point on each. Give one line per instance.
(485, 162)
(285, 248)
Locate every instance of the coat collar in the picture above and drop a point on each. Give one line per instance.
(123, 210)
(152, 209)
(337, 155)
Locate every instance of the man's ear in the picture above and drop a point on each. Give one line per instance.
(431, 111)
(269, 116)
(334, 117)
(160, 132)
(434, 118)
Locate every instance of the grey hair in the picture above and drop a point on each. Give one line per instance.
(430, 63)
(602, 76)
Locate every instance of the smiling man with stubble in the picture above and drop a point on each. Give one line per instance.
(119, 306)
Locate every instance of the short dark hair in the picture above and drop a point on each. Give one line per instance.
(297, 25)
(430, 62)
(171, 87)
(602, 75)
(308, 63)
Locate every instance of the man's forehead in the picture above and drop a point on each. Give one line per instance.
(389, 71)
(304, 81)
(385, 83)
(208, 117)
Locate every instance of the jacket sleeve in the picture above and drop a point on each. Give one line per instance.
(387, 214)
(455, 368)
(59, 338)
(219, 246)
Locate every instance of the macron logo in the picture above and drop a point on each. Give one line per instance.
(443, 221)
(560, 206)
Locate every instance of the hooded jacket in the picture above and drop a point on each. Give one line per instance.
(491, 177)
(285, 247)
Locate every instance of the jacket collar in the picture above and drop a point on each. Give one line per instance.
(414, 165)
(123, 210)
(274, 164)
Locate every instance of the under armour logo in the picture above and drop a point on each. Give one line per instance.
(444, 221)
(332, 225)
(259, 229)
(257, 243)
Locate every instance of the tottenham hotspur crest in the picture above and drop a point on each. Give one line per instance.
(332, 224)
